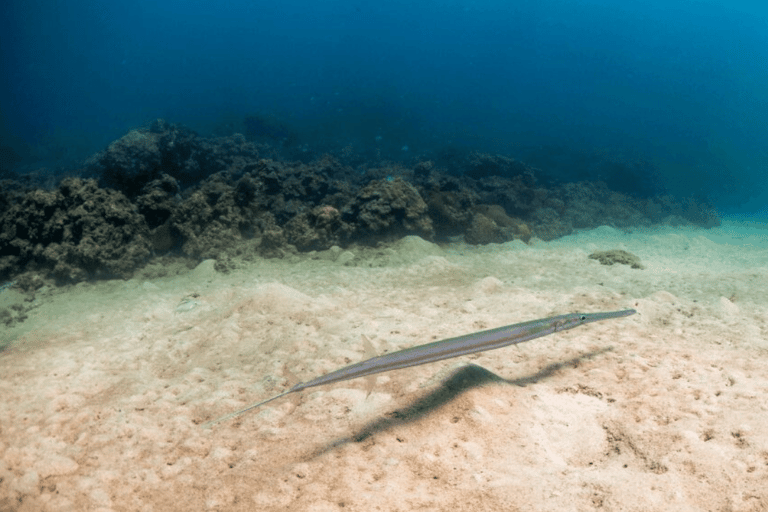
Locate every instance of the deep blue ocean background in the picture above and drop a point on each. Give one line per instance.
(682, 84)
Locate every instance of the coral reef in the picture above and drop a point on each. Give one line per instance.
(75, 232)
(163, 189)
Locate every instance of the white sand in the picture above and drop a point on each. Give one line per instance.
(104, 392)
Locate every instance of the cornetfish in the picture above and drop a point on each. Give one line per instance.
(445, 349)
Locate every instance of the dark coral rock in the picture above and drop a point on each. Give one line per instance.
(636, 178)
(129, 162)
(246, 190)
(233, 155)
(423, 169)
(666, 209)
(585, 204)
(483, 231)
(450, 211)
(143, 155)
(212, 197)
(388, 209)
(228, 207)
(76, 232)
(210, 222)
(290, 188)
(163, 238)
(219, 219)
(11, 192)
(592, 204)
(158, 199)
(518, 195)
(15, 314)
(547, 224)
(617, 256)
(463, 161)
(511, 228)
(450, 200)
(318, 229)
(272, 242)
(287, 190)
(700, 212)
(655, 208)
(491, 224)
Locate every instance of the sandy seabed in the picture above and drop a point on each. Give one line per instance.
(105, 387)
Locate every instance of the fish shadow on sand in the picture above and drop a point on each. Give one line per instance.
(461, 380)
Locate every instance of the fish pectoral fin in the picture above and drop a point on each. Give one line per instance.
(370, 382)
(370, 351)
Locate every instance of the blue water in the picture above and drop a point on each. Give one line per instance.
(678, 83)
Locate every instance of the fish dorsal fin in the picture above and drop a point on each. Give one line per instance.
(370, 352)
